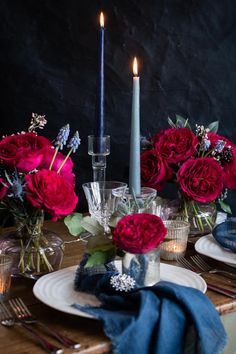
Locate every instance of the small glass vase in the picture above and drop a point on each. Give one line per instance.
(201, 217)
(144, 268)
(35, 251)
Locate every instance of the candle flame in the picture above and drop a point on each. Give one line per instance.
(101, 19)
(135, 67)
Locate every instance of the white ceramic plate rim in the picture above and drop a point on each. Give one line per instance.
(63, 299)
(216, 252)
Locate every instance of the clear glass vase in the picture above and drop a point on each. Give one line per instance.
(143, 268)
(201, 216)
(35, 250)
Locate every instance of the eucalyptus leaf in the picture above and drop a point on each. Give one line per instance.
(213, 127)
(73, 223)
(180, 121)
(99, 243)
(225, 207)
(171, 123)
(99, 258)
(91, 225)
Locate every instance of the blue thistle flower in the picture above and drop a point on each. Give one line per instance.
(205, 144)
(219, 146)
(74, 142)
(62, 136)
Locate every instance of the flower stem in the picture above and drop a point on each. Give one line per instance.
(54, 157)
(63, 162)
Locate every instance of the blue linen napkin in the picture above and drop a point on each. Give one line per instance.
(163, 319)
(224, 234)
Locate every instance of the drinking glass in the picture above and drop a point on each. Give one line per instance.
(99, 148)
(103, 199)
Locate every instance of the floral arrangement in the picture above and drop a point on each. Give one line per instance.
(36, 178)
(201, 163)
(139, 233)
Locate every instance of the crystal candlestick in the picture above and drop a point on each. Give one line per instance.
(99, 148)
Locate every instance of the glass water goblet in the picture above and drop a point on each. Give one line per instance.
(103, 199)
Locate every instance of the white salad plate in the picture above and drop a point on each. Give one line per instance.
(57, 289)
(208, 246)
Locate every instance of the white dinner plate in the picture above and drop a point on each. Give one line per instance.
(57, 289)
(208, 246)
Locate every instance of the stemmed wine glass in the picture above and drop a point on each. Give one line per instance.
(103, 199)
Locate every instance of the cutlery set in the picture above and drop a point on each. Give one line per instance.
(199, 266)
(21, 316)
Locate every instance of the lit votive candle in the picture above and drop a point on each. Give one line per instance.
(5, 275)
(176, 240)
(172, 250)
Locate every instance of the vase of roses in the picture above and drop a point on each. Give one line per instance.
(36, 179)
(202, 165)
(138, 236)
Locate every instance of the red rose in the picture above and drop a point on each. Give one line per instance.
(201, 179)
(154, 171)
(139, 233)
(229, 167)
(66, 170)
(50, 191)
(3, 188)
(175, 144)
(23, 151)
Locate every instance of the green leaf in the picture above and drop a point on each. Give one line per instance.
(73, 223)
(99, 258)
(99, 243)
(225, 207)
(180, 121)
(91, 225)
(213, 127)
(171, 123)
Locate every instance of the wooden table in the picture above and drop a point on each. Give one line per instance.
(88, 332)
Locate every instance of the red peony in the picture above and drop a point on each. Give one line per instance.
(3, 188)
(66, 170)
(139, 233)
(154, 171)
(201, 179)
(24, 151)
(175, 145)
(50, 191)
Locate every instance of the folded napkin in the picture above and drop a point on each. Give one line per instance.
(163, 319)
(225, 234)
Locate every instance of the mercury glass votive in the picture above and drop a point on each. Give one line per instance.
(6, 263)
(176, 240)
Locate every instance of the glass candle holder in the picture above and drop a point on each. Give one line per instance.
(6, 263)
(140, 203)
(144, 268)
(177, 237)
(99, 148)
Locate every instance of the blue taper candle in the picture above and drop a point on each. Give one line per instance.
(100, 113)
(134, 166)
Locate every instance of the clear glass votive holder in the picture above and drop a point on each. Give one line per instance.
(140, 203)
(6, 263)
(144, 268)
(177, 237)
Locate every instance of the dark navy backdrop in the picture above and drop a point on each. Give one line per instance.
(48, 65)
